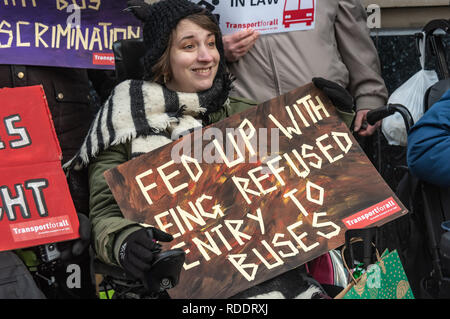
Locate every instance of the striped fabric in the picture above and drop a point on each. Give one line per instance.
(145, 113)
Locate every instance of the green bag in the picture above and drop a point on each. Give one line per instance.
(385, 279)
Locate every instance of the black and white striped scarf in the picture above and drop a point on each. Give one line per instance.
(149, 115)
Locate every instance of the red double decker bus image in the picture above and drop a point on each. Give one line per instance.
(298, 11)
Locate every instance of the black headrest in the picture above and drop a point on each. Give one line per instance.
(128, 58)
(435, 92)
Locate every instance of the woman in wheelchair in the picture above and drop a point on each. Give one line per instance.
(185, 86)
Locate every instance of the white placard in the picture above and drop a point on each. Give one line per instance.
(264, 16)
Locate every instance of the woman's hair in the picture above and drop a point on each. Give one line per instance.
(161, 70)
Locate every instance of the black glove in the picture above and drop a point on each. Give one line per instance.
(139, 249)
(339, 96)
(76, 247)
(138, 8)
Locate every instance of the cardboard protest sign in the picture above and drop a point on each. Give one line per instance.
(35, 204)
(256, 194)
(65, 33)
(264, 16)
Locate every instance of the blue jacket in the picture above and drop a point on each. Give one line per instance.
(428, 151)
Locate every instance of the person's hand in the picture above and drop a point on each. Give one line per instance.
(237, 44)
(76, 247)
(339, 96)
(362, 127)
(139, 249)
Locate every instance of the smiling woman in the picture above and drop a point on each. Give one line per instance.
(194, 58)
(185, 85)
(191, 59)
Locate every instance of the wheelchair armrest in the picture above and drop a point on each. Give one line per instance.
(110, 270)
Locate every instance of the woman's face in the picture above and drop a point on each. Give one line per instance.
(194, 58)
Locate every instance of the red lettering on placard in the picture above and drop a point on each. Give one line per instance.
(372, 214)
(103, 58)
(36, 229)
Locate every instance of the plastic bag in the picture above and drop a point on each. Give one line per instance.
(411, 95)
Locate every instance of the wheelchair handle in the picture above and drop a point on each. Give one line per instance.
(380, 113)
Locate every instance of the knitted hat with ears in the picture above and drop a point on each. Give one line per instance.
(161, 19)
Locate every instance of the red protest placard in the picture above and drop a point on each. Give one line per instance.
(35, 204)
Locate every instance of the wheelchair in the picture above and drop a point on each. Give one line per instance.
(429, 205)
(164, 274)
(427, 217)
